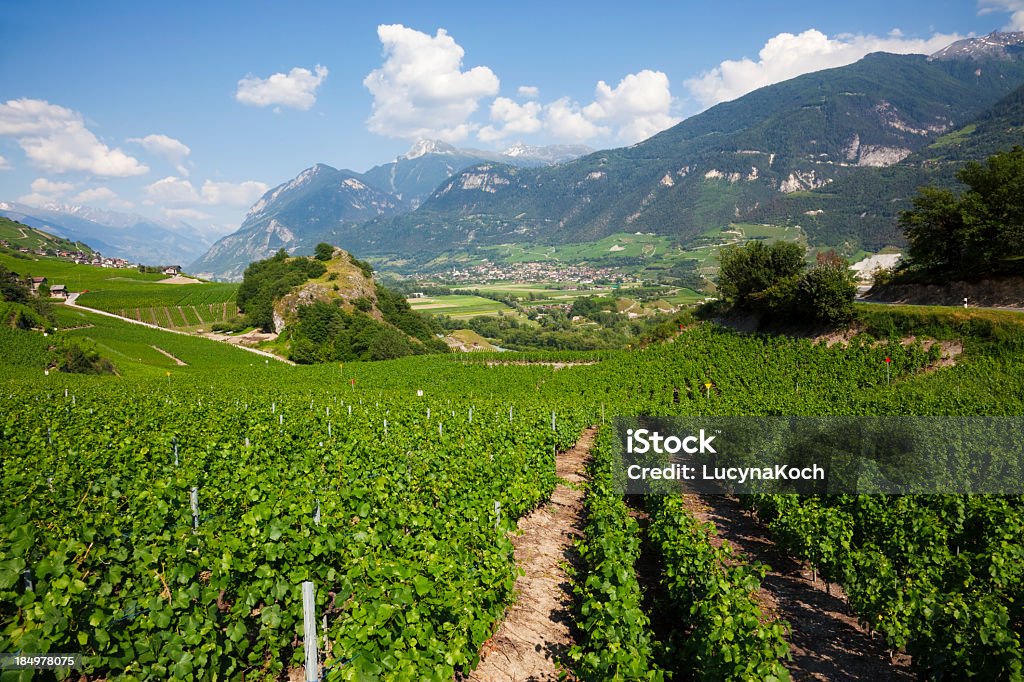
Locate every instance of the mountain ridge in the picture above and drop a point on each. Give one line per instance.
(130, 236)
(712, 168)
(720, 166)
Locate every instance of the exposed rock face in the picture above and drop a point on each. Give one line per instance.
(715, 174)
(343, 284)
(879, 156)
(802, 180)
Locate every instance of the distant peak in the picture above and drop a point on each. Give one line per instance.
(519, 149)
(995, 45)
(424, 147)
(317, 168)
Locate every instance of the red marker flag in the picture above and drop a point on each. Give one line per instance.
(888, 360)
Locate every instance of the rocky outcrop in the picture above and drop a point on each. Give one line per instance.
(343, 284)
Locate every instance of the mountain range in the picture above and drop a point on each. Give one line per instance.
(122, 235)
(769, 155)
(325, 204)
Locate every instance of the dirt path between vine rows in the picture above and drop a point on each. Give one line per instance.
(531, 643)
(177, 361)
(826, 642)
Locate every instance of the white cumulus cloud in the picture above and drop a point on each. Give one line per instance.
(295, 89)
(1015, 8)
(46, 191)
(104, 194)
(233, 193)
(45, 186)
(420, 90)
(565, 120)
(186, 214)
(172, 191)
(513, 119)
(788, 55)
(178, 192)
(4, 164)
(638, 107)
(175, 151)
(55, 138)
(529, 91)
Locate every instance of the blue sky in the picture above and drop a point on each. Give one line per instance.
(191, 110)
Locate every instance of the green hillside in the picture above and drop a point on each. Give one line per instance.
(20, 236)
(863, 206)
(726, 162)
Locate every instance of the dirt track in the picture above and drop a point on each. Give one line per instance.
(532, 641)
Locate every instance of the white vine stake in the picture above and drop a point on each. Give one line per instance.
(497, 514)
(309, 631)
(316, 514)
(194, 500)
(385, 428)
(509, 415)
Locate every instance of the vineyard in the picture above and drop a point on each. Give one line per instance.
(161, 523)
(172, 306)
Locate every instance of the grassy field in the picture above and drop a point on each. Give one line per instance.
(458, 306)
(684, 296)
(80, 277)
(542, 293)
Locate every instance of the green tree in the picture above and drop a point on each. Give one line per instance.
(11, 288)
(74, 359)
(748, 270)
(324, 251)
(980, 232)
(388, 344)
(826, 292)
